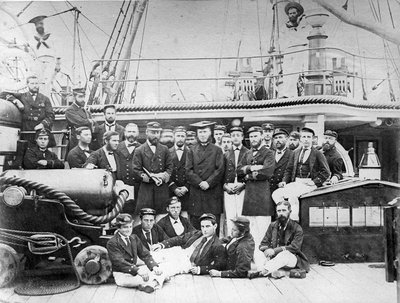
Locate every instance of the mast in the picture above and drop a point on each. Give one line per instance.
(124, 66)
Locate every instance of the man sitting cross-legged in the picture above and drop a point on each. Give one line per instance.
(281, 244)
(124, 250)
(195, 252)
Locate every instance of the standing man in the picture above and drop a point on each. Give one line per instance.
(179, 185)
(219, 131)
(174, 224)
(282, 156)
(234, 187)
(307, 169)
(105, 157)
(110, 124)
(77, 116)
(294, 140)
(332, 156)
(281, 245)
(124, 249)
(148, 231)
(36, 108)
(167, 137)
(152, 165)
(256, 167)
(78, 155)
(38, 156)
(268, 131)
(204, 172)
(190, 138)
(226, 142)
(125, 151)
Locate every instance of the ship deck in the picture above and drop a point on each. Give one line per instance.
(342, 283)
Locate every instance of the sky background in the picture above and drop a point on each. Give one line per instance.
(176, 29)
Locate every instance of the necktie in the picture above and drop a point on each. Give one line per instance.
(196, 253)
(303, 152)
(147, 233)
(111, 153)
(128, 241)
(110, 126)
(176, 222)
(279, 152)
(131, 144)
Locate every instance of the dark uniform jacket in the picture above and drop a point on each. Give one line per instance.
(34, 154)
(124, 258)
(99, 159)
(166, 225)
(335, 162)
(319, 169)
(293, 242)
(229, 161)
(257, 197)
(280, 168)
(76, 157)
(212, 256)
(125, 173)
(99, 131)
(178, 177)
(77, 116)
(205, 163)
(151, 195)
(240, 253)
(157, 235)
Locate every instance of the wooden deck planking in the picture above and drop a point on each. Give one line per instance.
(355, 283)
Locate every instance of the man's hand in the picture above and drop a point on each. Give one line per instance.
(195, 270)
(215, 273)
(157, 271)
(178, 192)
(269, 253)
(256, 167)
(239, 187)
(281, 184)
(310, 182)
(145, 178)
(334, 180)
(90, 166)
(39, 126)
(229, 188)
(144, 273)
(42, 162)
(204, 185)
(156, 247)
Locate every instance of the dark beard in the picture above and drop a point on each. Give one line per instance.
(282, 220)
(153, 141)
(292, 146)
(326, 147)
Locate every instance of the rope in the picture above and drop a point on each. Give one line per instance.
(259, 33)
(75, 210)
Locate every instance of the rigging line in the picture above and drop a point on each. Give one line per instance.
(62, 19)
(390, 13)
(239, 11)
(140, 53)
(112, 32)
(90, 42)
(226, 13)
(259, 33)
(23, 10)
(398, 47)
(379, 11)
(81, 51)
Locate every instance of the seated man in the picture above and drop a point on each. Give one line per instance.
(281, 245)
(199, 251)
(332, 156)
(124, 250)
(147, 231)
(78, 155)
(174, 224)
(239, 249)
(38, 156)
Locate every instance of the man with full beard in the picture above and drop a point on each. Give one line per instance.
(294, 140)
(152, 165)
(281, 245)
(332, 156)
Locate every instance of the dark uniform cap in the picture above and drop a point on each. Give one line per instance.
(80, 91)
(254, 129)
(236, 129)
(295, 5)
(180, 129)
(124, 219)
(295, 134)
(207, 216)
(172, 201)
(331, 133)
(167, 129)
(268, 126)
(280, 131)
(154, 126)
(220, 127)
(37, 19)
(203, 124)
(241, 221)
(42, 132)
(190, 134)
(147, 211)
(308, 130)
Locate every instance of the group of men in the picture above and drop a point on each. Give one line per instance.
(206, 171)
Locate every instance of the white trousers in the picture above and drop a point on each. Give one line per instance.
(173, 261)
(233, 206)
(258, 228)
(127, 280)
(283, 259)
(292, 191)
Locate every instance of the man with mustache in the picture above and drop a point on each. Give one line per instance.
(332, 156)
(281, 245)
(294, 140)
(152, 165)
